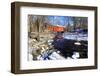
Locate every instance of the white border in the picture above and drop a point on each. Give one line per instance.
(24, 64)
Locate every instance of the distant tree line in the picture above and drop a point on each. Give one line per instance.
(38, 23)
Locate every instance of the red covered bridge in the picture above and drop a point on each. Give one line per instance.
(56, 28)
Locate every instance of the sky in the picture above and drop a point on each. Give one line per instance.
(60, 20)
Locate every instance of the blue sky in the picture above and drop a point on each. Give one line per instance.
(60, 20)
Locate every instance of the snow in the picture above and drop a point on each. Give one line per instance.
(74, 36)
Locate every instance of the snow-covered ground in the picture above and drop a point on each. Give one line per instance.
(53, 56)
(75, 36)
